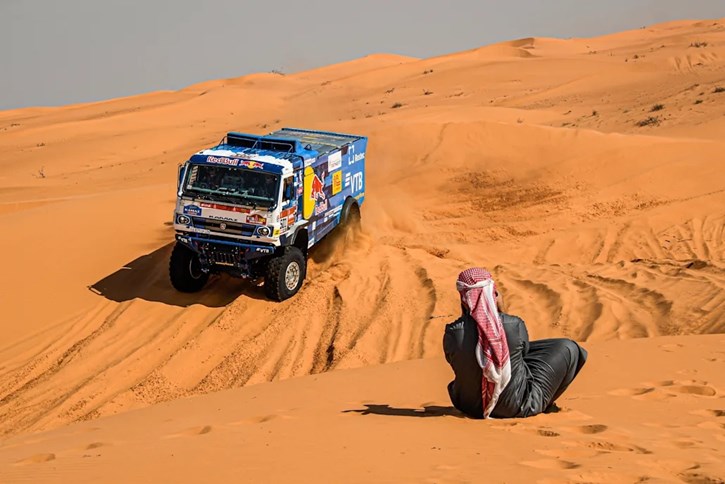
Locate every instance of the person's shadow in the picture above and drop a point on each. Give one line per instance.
(426, 411)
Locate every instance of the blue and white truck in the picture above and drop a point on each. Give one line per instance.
(253, 206)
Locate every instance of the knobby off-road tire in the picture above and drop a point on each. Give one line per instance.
(350, 216)
(185, 270)
(285, 274)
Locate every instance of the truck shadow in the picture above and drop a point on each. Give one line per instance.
(147, 278)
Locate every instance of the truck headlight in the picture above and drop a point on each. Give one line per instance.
(264, 231)
(183, 220)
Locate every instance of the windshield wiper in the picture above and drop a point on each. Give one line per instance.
(196, 194)
(226, 198)
(206, 194)
(236, 198)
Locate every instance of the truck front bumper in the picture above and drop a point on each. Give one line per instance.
(226, 255)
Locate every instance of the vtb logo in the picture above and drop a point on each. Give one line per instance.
(357, 182)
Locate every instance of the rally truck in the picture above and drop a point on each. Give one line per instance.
(253, 206)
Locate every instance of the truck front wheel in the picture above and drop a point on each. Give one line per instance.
(185, 270)
(285, 274)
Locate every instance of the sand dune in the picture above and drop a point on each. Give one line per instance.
(586, 173)
(638, 415)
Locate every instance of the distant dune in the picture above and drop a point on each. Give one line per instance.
(587, 174)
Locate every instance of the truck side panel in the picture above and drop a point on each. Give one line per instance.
(329, 181)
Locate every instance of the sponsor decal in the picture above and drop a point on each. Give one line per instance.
(347, 179)
(318, 188)
(314, 193)
(219, 160)
(285, 225)
(334, 161)
(192, 210)
(336, 182)
(357, 181)
(291, 220)
(321, 207)
(355, 158)
(333, 213)
(263, 250)
(256, 219)
(318, 195)
(227, 219)
(228, 208)
(299, 180)
(222, 160)
(251, 164)
(287, 212)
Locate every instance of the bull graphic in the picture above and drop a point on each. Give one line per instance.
(314, 192)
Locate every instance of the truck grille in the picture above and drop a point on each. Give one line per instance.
(223, 258)
(233, 228)
(223, 255)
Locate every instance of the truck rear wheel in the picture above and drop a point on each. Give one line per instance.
(185, 270)
(350, 215)
(285, 274)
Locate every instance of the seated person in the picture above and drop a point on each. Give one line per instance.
(263, 186)
(498, 372)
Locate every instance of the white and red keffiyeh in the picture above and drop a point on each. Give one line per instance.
(478, 296)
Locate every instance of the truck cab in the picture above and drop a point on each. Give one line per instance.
(253, 206)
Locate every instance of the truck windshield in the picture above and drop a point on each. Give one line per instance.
(234, 185)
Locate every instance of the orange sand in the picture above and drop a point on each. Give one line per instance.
(523, 156)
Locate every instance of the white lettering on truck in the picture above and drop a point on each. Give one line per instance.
(355, 158)
(357, 181)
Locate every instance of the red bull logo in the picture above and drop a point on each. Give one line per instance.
(251, 164)
(318, 189)
(321, 207)
(314, 192)
(218, 160)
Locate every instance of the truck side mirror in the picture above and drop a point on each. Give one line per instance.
(179, 175)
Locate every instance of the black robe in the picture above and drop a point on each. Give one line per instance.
(540, 370)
